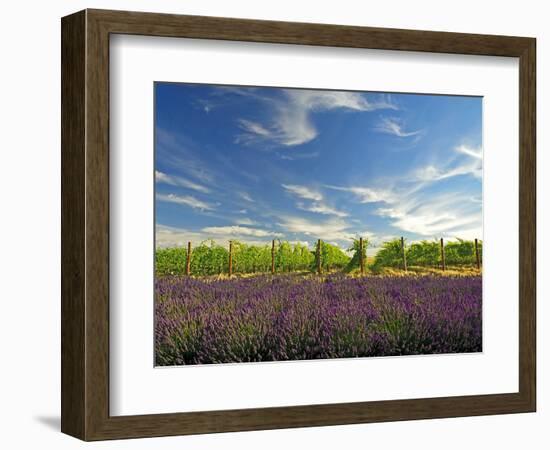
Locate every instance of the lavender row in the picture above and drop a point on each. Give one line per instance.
(295, 318)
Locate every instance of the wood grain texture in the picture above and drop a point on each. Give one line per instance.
(527, 224)
(97, 226)
(85, 224)
(153, 24)
(72, 224)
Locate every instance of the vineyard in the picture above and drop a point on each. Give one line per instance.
(210, 258)
(286, 311)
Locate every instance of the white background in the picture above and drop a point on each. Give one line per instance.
(30, 230)
(136, 387)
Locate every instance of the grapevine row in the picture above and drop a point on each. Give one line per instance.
(210, 258)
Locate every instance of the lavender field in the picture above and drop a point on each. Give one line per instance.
(296, 317)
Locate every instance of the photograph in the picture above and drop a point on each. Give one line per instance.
(301, 224)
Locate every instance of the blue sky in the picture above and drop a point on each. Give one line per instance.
(255, 164)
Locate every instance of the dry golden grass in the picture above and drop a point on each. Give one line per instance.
(459, 271)
(413, 271)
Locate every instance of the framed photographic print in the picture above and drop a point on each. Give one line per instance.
(272, 225)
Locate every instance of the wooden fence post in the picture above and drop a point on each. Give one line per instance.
(230, 258)
(477, 254)
(404, 254)
(319, 256)
(361, 262)
(188, 262)
(442, 254)
(272, 256)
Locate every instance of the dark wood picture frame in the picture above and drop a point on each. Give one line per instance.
(85, 224)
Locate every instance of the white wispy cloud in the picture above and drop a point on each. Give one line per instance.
(167, 236)
(322, 208)
(332, 229)
(255, 128)
(394, 127)
(298, 156)
(303, 192)
(366, 234)
(477, 199)
(470, 151)
(291, 122)
(182, 154)
(246, 196)
(317, 205)
(245, 221)
(472, 165)
(161, 177)
(411, 206)
(433, 173)
(186, 200)
(236, 230)
(367, 194)
(445, 215)
(206, 105)
(417, 210)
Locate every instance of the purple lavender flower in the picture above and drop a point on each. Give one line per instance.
(281, 318)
